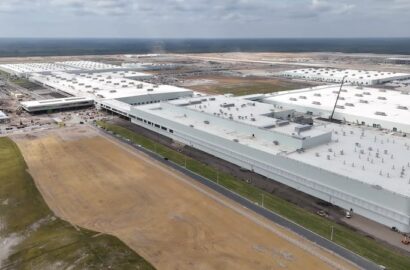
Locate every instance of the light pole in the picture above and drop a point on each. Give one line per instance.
(263, 200)
(331, 233)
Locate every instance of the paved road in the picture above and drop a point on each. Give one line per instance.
(323, 242)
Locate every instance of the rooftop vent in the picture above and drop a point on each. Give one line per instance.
(227, 105)
(380, 113)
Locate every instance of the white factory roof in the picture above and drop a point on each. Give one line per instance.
(336, 75)
(363, 154)
(55, 101)
(35, 67)
(247, 111)
(367, 155)
(89, 65)
(108, 85)
(120, 106)
(400, 58)
(28, 68)
(380, 104)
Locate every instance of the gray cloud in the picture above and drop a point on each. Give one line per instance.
(210, 17)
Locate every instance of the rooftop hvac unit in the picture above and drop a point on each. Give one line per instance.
(150, 89)
(139, 85)
(302, 97)
(363, 101)
(293, 99)
(380, 113)
(206, 122)
(302, 128)
(275, 142)
(382, 98)
(228, 105)
(316, 103)
(235, 140)
(358, 95)
(281, 123)
(340, 106)
(317, 95)
(400, 107)
(194, 102)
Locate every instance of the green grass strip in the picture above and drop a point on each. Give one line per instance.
(43, 240)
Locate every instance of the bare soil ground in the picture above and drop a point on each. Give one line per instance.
(241, 85)
(172, 221)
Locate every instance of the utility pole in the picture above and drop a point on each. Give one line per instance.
(338, 95)
(185, 161)
(217, 176)
(331, 233)
(263, 200)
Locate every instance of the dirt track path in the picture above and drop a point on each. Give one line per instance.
(174, 222)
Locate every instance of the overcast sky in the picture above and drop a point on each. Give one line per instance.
(204, 18)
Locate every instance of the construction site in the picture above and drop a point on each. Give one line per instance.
(107, 140)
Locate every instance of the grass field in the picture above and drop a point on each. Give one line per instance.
(31, 237)
(342, 235)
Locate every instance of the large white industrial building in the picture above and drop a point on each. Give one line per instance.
(26, 69)
(379, 108)
(361, 168)
(56, 104)
(332, 75)
(92, 81)
(359, 164)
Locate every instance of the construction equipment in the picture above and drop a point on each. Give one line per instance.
(337, 98)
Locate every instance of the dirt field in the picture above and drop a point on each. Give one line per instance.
(167, 218)
(241, 85)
